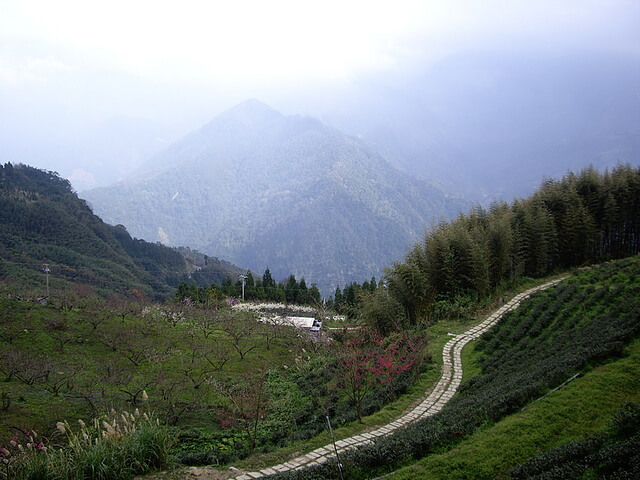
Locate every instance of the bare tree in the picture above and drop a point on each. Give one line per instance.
(5, 401)
(11, 362)
(205, 321)
(90, 394)
(60, 339)
(195, 371)
(122, 305)
(136, 392)
(64, 299)
(96, 311)
(96, 319)
(213, 351)
(113, 338)
(60, 378)
(169, 403)
(216, 353)
(135, 349)
(272, 331)
(25, 367)
(10, 332)
(239, 330)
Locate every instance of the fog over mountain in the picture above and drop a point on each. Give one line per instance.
(286, 192)
(476, 88)
(484, 124)
(491, 125)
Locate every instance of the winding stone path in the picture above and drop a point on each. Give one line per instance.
(435, 401)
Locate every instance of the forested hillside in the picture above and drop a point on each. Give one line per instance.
(197, 364)
(262, 189)
(581, 219)
(43, 224)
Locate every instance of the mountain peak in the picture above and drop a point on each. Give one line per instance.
(248, 112)
(252, 104)
(261, 188)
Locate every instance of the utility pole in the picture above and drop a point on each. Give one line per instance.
(243, 278)
(46, 271)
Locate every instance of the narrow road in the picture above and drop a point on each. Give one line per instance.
(435, 401)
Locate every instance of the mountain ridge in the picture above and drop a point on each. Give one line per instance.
(252, 174)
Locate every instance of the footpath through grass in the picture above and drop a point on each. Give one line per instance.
(438, 336)
(387, 414)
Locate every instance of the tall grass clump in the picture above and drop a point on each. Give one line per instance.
(116, 446)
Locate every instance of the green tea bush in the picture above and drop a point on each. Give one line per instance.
(612, 454)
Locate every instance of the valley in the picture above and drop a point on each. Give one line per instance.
(231, 390)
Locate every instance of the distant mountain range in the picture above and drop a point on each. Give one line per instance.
(261, 189)
(125, 143)
(491, 126)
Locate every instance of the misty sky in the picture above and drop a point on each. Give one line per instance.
(65, 65)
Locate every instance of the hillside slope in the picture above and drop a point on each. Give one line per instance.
(585, 321)
(43, 222)
(263, 189)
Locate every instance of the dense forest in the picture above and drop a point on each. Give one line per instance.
(581, 219)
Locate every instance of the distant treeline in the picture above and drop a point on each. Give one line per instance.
(263, 289)
(581, 219)
(348, 300)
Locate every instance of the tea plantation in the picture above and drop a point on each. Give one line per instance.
(587, 325)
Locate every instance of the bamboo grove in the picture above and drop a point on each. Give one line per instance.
(580, 219)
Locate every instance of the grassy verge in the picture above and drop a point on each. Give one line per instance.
(580, 408)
